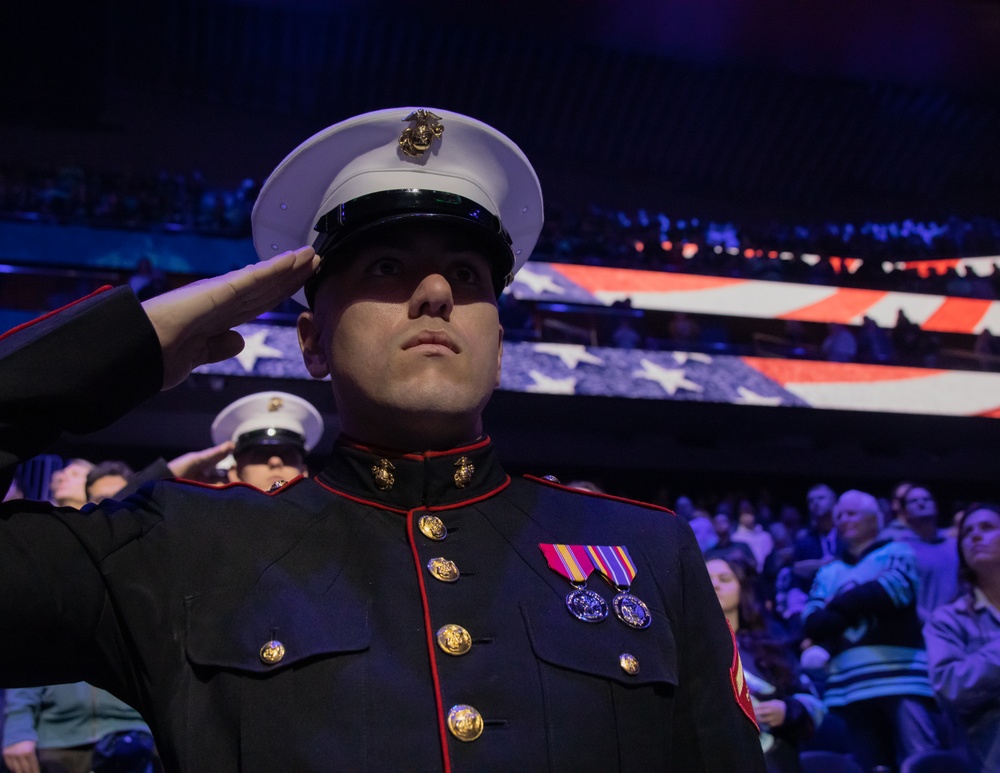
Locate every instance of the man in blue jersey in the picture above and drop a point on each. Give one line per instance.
(862, 608)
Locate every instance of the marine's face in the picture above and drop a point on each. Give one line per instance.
(409, 333)
(980, 540)
(264, 465)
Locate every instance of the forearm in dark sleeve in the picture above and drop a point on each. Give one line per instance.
(76, 370)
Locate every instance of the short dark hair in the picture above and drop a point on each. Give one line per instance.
(104, 469)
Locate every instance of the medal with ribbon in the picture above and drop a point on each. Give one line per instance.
(617, 567)
(573, 562)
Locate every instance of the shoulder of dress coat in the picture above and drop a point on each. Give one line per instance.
(49, 314)
(552, 482)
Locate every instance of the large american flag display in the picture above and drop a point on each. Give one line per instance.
(572, 369)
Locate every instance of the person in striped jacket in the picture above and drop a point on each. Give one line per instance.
(862, 610)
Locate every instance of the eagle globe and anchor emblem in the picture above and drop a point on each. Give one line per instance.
(417, 139)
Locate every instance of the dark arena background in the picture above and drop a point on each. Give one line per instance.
(731, 188)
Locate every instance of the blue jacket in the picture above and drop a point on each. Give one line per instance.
(65, 715)
(963, 648)
(863, 610)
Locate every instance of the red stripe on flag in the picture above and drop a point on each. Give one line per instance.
(597, 279)
(843, 306)
(805, 372)
(957, 315)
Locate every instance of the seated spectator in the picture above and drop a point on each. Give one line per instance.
(874, 344)
(839, 344)
(963, 638)
(725, 546)
(817, 545)
(74, 728)
(936, 553)
(107, 479)
(787, 708)
(625, 336)
(753, 534)
(862, 610)
(68, 486)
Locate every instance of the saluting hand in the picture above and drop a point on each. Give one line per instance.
(195, 464)
(194, 323)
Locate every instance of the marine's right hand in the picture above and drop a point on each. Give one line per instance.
(195, 323)
(21, 757)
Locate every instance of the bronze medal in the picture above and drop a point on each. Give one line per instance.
(587, 605)
(632, 611)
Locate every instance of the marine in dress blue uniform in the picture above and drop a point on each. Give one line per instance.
(396, 611)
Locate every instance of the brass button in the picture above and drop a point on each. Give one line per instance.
(464, 470)
(465, 723)
(432, 527)
(272, 652)
(629, 663)
(443, 569)
(454, 639)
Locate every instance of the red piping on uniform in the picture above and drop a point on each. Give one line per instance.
(360, 501)
(743, 701)
(460, 450)
(36, 320)
(599, 495)
(235, 483)
(435, 679)
(464, 502)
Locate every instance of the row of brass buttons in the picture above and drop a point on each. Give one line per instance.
(464, 721)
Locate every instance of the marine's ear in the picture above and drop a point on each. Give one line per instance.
(313, 355)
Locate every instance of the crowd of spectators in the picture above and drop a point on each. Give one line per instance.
(869, 627)
(77, 196)
(643, 239)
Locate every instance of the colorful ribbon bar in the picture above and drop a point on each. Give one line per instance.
(571, 561)
(614, 562)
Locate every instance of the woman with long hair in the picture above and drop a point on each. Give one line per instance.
(963, 638)
(787, 708)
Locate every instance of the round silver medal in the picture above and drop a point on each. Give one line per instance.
(586, 605)
(632, 611)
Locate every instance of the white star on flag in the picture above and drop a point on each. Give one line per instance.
(747, 397)
(681, 358)
(571, 354)
(669, 378)
(537, 283)
(256, 349)
(551, 386)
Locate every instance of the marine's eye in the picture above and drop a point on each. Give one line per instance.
(466, 274)
(385, 267)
